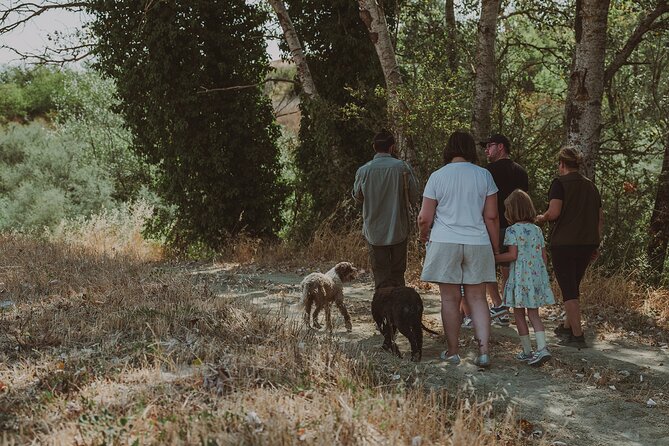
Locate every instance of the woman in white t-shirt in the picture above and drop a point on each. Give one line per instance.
(458, 220)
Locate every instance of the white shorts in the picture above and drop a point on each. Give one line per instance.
(458, 264)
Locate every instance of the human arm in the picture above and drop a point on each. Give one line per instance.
(552, 213)
(357, 188)
(510, 256)
(491, 220)
(426, 217)
(544, 256)
(414, 195)
(555, 199)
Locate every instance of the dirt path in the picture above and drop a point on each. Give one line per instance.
(595, 396)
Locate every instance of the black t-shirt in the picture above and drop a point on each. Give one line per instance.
(578, 223)
(508, 177)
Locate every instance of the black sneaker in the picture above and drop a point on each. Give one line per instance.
(498, 311)
(574, 341)
(562, 331)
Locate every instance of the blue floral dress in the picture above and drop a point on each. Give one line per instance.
(528, 285)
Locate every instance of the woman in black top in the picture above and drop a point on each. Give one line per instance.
(575, 206)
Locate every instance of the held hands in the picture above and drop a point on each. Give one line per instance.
(540, 219)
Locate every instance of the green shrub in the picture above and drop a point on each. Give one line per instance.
(44, 178)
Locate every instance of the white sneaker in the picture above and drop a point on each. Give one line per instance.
(452, 359)
(483, 361)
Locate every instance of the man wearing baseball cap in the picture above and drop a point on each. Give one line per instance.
(508, 176)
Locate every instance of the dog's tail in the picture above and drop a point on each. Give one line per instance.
(428, 330)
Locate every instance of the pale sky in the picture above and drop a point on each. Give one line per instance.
(32, 37)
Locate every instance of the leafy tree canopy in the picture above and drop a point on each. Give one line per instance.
(215, 152)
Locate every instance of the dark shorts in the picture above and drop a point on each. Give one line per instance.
(569, 265)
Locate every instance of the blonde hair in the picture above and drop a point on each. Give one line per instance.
(571, 157)
(518, 206)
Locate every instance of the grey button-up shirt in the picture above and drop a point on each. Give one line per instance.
(379, 184)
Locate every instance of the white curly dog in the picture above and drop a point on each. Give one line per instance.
(324, 289)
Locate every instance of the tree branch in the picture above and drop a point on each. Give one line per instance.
(70, 54)
(205, 90)
(644, 25)
(29, 10)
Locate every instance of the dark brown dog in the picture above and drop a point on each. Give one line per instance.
(400, 308)
(324, 289)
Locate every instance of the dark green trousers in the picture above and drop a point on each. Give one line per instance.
(388, 264)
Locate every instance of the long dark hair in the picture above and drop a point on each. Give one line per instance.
(460, 144)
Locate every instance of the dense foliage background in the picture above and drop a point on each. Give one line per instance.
(176, 111)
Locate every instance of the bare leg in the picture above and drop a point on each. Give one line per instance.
(521, 322)
(475, 296)
(573, 308)
(535, 319)
(450, 315)
(464, 308)
(493, 291)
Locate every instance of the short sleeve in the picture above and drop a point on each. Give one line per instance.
(556, 192)
(510, 236)
(430, 191)
(491, 186)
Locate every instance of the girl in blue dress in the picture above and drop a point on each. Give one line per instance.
(528, 287)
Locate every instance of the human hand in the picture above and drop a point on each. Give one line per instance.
(540, 219)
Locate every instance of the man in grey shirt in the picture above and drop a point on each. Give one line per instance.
(384, 185)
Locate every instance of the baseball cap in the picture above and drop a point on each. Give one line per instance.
(497, 138)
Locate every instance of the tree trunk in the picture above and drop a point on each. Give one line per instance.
(484, 82)
(452, 34)
(583, 108)
(289, 33)
(659, 221)
(374, 18)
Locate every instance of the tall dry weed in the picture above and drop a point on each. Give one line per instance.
(117, 351)
(619, 299)
(112, 232)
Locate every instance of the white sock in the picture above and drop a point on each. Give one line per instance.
(527, 345)
(541, 340)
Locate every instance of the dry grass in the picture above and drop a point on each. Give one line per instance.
(116, 232)
(118, 350)
(106, 346)
(619, 301)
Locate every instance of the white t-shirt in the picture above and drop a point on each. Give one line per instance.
(460, 190)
